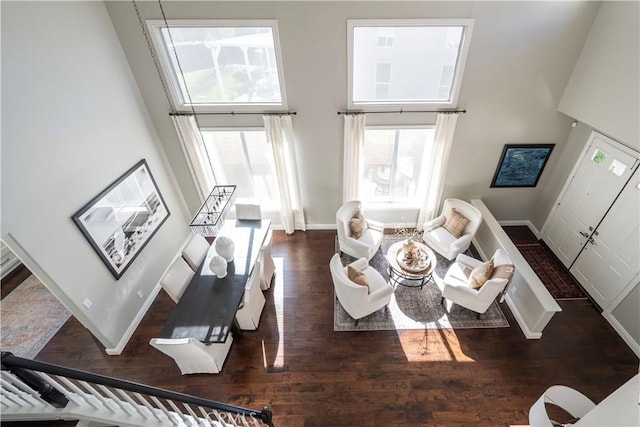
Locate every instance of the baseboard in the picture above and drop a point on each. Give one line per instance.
(633, 345)
(525, 222)
(530, 335)
(117, 350)
(311, 227)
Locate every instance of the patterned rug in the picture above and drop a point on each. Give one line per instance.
(415, 308)
(551, 272)
(30, 316)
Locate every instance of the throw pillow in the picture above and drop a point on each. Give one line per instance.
(358, 224)
(456, 223)
(358, 277)
(504, 271)
(480, 274)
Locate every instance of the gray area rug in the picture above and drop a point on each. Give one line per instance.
(415, 308)
(30, 316)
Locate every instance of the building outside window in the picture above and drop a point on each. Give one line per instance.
(427, 58)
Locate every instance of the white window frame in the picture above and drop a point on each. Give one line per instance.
(172, 79)
(422, 184)
(458, 71)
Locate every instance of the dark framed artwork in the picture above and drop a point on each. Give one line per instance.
(120, 221)
(521, 165)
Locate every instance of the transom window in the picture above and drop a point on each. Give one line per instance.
(243, 157)
(427, 58)
(224, 63)
(393, 163)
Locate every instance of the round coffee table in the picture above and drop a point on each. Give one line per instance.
(412, 275)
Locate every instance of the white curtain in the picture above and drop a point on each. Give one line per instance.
(437, 164)
(195, 153)
(352, 162)
(279, 130)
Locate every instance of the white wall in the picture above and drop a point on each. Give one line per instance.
(73, 121)
(627, 316)
(605, 85)
(520, 60)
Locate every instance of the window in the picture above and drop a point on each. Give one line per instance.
(242, 157)
(225, 64)
(427, 57)
(393, 160)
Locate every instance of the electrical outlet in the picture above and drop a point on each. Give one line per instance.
(140, 294)
(87, 303)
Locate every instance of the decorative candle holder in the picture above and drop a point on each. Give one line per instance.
(224, 247)
(218, 266)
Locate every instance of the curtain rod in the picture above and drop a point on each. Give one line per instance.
(233, 113)
(401, 112)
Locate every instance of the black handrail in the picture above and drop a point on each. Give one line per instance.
(17, 364)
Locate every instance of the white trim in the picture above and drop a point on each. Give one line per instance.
(458, 73)
(164, 58)
(117, 350)
(622, 332)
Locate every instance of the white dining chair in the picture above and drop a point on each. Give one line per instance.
(566, 398)
(176, 279)
(252, 211)
(192, 356)
(248, 314)
(248, 211)
(195, 251)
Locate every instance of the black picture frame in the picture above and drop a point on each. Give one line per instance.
(521, 165)
(122, 218)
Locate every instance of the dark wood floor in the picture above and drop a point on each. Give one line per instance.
(313, 376)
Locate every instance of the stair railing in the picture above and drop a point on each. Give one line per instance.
(33, 390)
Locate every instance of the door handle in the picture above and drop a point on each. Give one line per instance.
(584, 234)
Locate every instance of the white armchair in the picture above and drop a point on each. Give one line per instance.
(365, 246)
(248, 315)
(192, 356)
(356, 299)
(441, 240)
(570, 400)
(455, 286)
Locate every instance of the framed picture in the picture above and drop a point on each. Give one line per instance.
(521, 165)
(121, 220)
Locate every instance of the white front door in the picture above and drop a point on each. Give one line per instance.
(612, 255)
(597, 180)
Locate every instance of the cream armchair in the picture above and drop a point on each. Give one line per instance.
(455, 286)
(365, 246)
(356, 299)
(441, 240)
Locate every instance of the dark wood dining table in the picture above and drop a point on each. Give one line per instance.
(207, 308)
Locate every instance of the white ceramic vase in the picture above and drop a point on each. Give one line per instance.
(224, 247)
(218, 266)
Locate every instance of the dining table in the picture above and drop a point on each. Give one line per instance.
(207, 308)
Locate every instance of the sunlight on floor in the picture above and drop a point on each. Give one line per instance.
(277, 287)
(432, 345)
